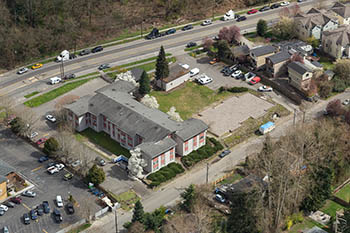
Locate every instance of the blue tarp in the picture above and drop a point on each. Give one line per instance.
(267, 125)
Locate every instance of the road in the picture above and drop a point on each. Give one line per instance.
(170, 193)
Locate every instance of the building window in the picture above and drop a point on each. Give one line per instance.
(186, 146)
(195, 141)
(155, 163)
(172, 154)
(162, 157)
(201, 138)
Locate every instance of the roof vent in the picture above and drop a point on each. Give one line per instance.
(113, 89)
(91, 105)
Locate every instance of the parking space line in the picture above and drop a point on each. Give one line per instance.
(45, 135)
(26, 206)
(35, 169)
(45, 231)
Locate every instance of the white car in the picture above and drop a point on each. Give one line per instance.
(76, 163)
(59, 201)
(34, 134)
(346, 102)
(185, 66)
(51, 118)
(194, 72)
(249, 76)
(22, 70)
(4, 208)
(284, 3)
(206, 22)
(204, 79)
(236, 73)
(29, 193)
(60, 166)
(265, 89)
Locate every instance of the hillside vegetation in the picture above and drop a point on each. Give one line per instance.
(32, 29)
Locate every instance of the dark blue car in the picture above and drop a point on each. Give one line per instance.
(224, 153)
(43, 159)
(171, 31)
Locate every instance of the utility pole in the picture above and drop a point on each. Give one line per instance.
(213, 8)
(116, 219)
(295, 115)
(304, 116)
(207, 173)
(62, 69)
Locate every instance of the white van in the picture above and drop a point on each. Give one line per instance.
(55, 80)
(59, 201)
(194, 72)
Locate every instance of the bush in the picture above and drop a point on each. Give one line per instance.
(165, 173)
(339, 85)
(154, 184)
(51, 146)
(222, 89)
(96, 175)
(217, 144)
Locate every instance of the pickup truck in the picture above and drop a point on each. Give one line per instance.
(56, 168)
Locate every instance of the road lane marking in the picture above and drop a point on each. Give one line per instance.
(26, 206)
(35, 169)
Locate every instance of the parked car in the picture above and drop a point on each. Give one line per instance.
(46, 207)
(204, 79)
(85, 52)
(43, 159)
(5, 229)
(70, 208)
(265, 89)
(33, 215)
(57, 215)
(76, 163)
(37, 66)
(194, 72)
(40, 210)
(104, 66)
(225, 69)
(153, 34)
(252, 11)
(346, 102)
(72, 56)
(284, 3)
(220, 198)
(2, 212)
(68, 176)
(187, 27)
(100, 161)
(29, 193)
(264, 8)
(191, 44)
(26, 219)
(171, 31)
(224, 153)
(22, 70)
(4, 208)
(206, 22)
(69, 76)
(213, 61)
(9, 204)
(50, 118)
(59, 201)
(33, 135)
(275, 5)
(249, 76)
(236, 74)
(255, 80)
(97, 49)
(16, 200)
(241, 18)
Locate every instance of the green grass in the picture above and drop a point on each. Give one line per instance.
(306, 224)
(189, 99)
(126, 199)
(31, 94)
(2, 116)
(327, 63)
(231, 179)
(344, 193)
(103, 140)
(44, 98)
(80, 228)
(87, 75)
(331, 207)
(193, 48)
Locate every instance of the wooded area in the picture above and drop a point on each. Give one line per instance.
(33, 29)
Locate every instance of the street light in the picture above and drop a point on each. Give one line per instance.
(141, 26)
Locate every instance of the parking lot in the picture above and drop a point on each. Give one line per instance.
(24, 158)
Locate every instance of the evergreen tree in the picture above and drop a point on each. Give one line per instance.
(51, 146)
(189, 198)
(145, 86)
(96, 175)
(261, 27)
(224, 50)
(162, 67)
(139, 214)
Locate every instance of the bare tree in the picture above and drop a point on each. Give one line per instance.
(294, 9)
(230, 34)
(6, 105)
(28, 118)
(207, 43)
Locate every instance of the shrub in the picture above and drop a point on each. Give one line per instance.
(96, 175)
(154, 184)
(339, 85)
(51, 146)
(153, 176)
(222, 89)
(237, 89)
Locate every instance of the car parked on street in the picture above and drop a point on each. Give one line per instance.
(29, 193)
(50, 118)
(41, 141)
(191, 44)
(57, 215)
(255, 80)
(104, 66)
(22, 70)
(37, 66)
(241, 18)
(100, 161)
(220, 198)
(275, 5)
(206, 22)
(33, 135)
(265, 89)
(171, 31)
(252, 11)
(224, 153)
(26, 219)
(284, 3)
(85, 52)
(264, 8)
(69, 76)
(187, 27)
(346, 102)
(97, 49)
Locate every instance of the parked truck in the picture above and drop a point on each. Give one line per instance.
(229, 15)
(268, 127)
(64, 56)
(55, 168)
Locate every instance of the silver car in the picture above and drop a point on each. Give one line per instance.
(22, 70)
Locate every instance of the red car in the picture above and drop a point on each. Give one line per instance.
(16, 200)
(255, 80)
(252, 11)
(41, 141)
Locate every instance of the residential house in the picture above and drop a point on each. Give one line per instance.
(336, 43)
(299, 75)
(115, 111)
(342, 12)
(315, 229)
(137, 73)
(295, 46)
(314, 22)
(259, 54)
(177, 75)
(276, 63)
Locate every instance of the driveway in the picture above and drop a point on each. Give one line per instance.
(23, 157)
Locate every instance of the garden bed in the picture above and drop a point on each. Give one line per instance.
(164, 174)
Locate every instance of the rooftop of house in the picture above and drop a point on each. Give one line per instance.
(279, 57)
(152, 150)
(175, 71)
(5, 168)
(299, 67)
(80, 106)
(314, 17)
(190, 128)
(340, 36)
(137, 73)
(315, 229)
(242, 50)
(341, 9)
(293, 46)
(263, 50)
(119, 86)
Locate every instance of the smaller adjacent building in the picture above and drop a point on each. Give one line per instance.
(259, 54)
(299, 75)
(276, 63)
(177, 76)
(336, 43)
(342, 12)
(137, 73)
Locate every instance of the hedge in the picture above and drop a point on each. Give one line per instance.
(233, 89)
(165, 173)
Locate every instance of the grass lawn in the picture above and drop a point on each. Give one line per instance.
(193, 48)
(87, 75)
(44, 98)
(326, 62)
(126, 199)
(251, 125)
(103, 140)
(344, 193)
(331, 207)
(80, 228)
(189, 99)
(31, 94)
(306, 224)
(231, 179)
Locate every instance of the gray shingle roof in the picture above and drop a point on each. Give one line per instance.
(137, 72)
(80, 106)
(317, 64)
(175, 72)
(341, 9)
(298, 67)
(5, 168)
(190, 128)
(263, 50)
(315, 229)
(153, 149)
(279, 57)
(120, 86)
(2, 179)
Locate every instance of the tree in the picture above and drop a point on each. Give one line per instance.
(154, 220)
(207, 43)
(285, 28)
(224, 50)
(188, 198)
(162, 67)
(297, 57)
(334, 108)
(342, 70)
(313, 42)
(6, 105)
(145, 86)
(17, 125)
(344, 222)
(347, 117)
(325, 89)
(51, 146)
(136, 227)
(261, 27)
(96, 175)
(139, 214)
(230, 34)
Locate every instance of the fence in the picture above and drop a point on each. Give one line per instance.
(339, 200)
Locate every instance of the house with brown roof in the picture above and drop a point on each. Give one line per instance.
(336, 43)
(314, 22)
(342, 12)
(177, 75)
(276, 63)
